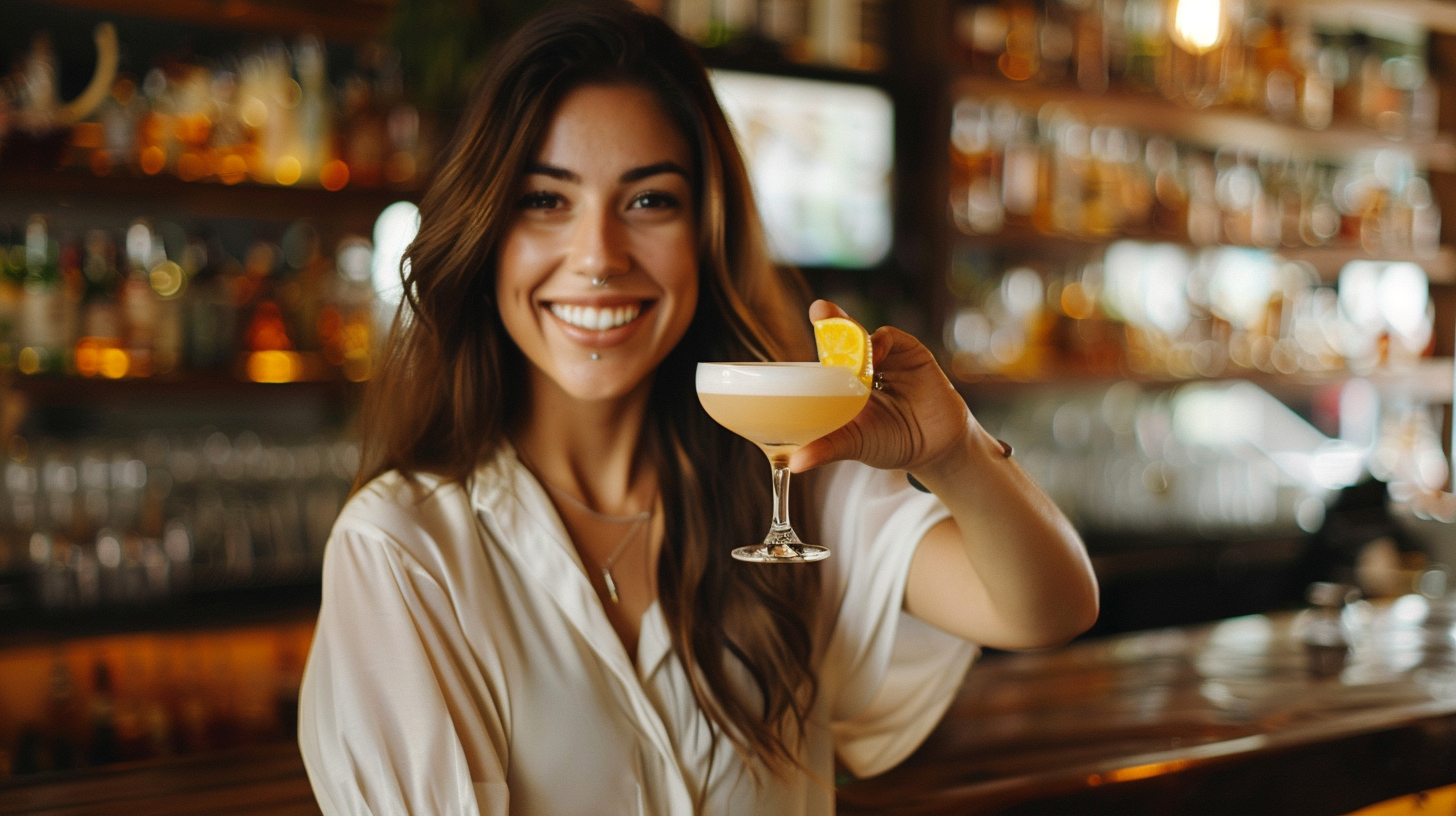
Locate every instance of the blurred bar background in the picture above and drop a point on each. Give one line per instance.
(1187, 256)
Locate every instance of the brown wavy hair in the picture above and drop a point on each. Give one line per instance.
(448, 388)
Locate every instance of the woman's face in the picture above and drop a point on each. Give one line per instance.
(607, 198)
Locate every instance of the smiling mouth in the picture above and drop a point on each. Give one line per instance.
(597, 318)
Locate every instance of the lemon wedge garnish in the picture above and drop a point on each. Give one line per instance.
(842, 342)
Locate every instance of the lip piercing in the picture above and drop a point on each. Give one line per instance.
(596, 356)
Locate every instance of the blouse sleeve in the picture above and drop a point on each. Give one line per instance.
(891, 675)
(388, 721)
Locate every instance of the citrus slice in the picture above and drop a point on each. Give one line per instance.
(842, 342)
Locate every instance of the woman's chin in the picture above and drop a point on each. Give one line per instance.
(599, 380)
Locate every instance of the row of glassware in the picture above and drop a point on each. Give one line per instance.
(1051, 171)
(1166, 311)
(132, 521)
(1301, 63)
(1220, 457)
(155, 299)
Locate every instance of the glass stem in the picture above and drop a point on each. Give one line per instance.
(780, 495)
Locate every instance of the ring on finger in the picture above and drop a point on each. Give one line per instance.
(878, 381)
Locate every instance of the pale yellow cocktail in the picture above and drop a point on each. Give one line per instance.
(780, 407)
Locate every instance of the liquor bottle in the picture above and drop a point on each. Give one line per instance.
(12, 296)
(1145, 33)
(1020, 59)
(786, 22)
(1091, 46)
(193, 116)
(99, 348)
(345, 323)
(362, 129)
(138, 300)
(692, 19)
(43, 318)
(315, 115)
(1275, 76)
(210, 306)
(105, 745)
(119, 116)
(1056, 43)
(402, 124)
(156, 137)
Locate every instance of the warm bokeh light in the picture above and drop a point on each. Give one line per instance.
(334, 175)
(232, 169)
(167, 279)
(1198, 24)
(274, 367)
(288, 171)
(28, 361)
(153, 160)
(114, 363)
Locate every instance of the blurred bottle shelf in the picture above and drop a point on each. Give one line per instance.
(1211, 127)
(341, 20)
(1429, 382)
(1437, 15)
(1327, 260)
(351, 208)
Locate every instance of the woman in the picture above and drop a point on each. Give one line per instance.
(529, 604)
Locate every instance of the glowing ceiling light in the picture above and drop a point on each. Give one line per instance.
(1198, 24)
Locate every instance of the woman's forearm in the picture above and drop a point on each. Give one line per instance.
(1030, 583)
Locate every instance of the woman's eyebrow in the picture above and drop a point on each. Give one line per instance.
(639, 173)
(558, 173)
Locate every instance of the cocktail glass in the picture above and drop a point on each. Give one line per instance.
(780, 407)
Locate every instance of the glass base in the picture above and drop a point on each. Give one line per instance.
(782, 548)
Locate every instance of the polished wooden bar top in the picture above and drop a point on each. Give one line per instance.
(260, 780)
(1242, 716)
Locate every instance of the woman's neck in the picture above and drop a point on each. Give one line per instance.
(589, 448)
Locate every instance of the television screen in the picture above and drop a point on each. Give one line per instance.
(820, 155)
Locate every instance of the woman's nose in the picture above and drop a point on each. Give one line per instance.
(598, 247)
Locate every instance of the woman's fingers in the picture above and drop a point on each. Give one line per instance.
(845, 443)
(825, 309)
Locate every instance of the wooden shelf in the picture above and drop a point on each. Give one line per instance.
(1211, 127)
(1429, 382)
(166, 195)
(94, 391)
(1327, 261)
(339, 20)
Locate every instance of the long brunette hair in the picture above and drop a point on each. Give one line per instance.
(449, 383)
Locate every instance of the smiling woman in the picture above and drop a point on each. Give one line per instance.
(598, 277)
(529, 602)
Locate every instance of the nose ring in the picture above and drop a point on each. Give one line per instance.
(601, 282)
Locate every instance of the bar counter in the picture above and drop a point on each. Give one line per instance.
(1242, 716)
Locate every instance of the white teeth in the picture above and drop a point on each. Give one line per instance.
(592, 318)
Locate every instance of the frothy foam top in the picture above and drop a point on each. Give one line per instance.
(778, 380)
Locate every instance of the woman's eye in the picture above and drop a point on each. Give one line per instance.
(653, 201)
(539, 201)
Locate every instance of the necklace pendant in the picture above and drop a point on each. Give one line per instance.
(611, 587)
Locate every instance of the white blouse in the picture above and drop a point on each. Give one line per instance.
(463, 663)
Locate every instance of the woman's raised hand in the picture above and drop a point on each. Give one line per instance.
(916, 417)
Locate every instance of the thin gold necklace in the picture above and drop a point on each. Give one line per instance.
(637, 520)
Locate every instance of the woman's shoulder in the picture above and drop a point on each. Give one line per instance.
(408, 509)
